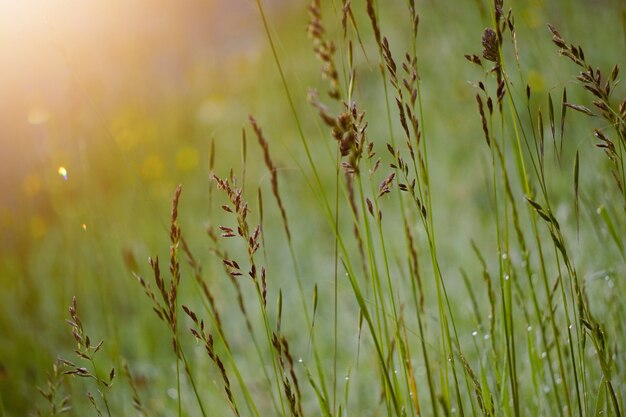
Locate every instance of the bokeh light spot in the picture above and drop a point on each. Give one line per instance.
(131, 128)
(187, 158)
(532, 17)
(38, 227)
(536, 81)
(211, 110)
(152, 167)
(37, 116)
(62, 172)
(126, 139)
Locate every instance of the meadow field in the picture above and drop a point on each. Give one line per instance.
(313, 208)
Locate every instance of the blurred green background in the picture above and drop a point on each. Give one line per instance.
(108, 105)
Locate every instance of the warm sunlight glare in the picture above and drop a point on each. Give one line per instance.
(72, 70)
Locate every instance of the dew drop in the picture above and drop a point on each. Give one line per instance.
(544, 355)
(486, 337)
(474, 333)
(347, 377)
(84, 226)
(62, 172)
(529, 328)
(506, 277)
(505, 256)
(172, 393)
(300, 360)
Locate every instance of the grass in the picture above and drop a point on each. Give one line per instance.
(441, 242)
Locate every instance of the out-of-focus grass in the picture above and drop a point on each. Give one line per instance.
(127, 140)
